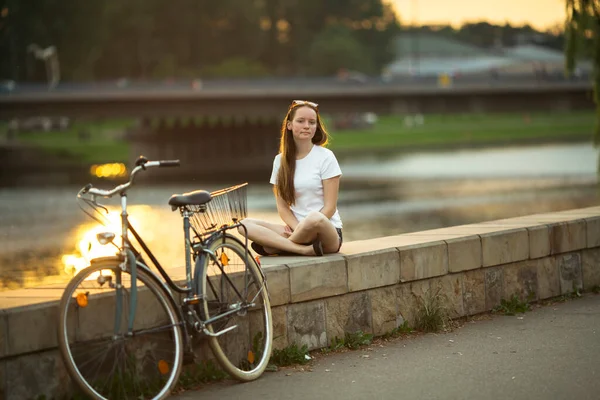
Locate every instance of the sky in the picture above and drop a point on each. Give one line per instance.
(540, 14)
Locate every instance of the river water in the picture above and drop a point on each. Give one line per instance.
(41, 227)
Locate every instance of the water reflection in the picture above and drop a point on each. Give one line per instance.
(43, 234)
(550, 160)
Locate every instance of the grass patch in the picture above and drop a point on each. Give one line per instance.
(512, 306)
(399, 331)
(104, 144)
(467, 129)
(351, 341)
(202, 372)
(84, 142)
(432, 315)
(290, 355)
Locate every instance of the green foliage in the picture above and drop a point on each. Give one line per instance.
(236, 67)
(149, 39)
(431, 315)
(337, 48)
(596, 289)
(290, 355)
(351, 341)
(583, 38)
(403, 329)
(466, 129)
(203, 372)
(512, 306)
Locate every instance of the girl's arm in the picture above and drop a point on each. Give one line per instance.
(331, 188)
(284, 211)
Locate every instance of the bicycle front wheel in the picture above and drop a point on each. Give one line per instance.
(119, 339)
(236, 299)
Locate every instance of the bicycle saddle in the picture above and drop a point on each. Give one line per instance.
(195, 198)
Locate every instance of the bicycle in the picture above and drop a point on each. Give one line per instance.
(122, 333)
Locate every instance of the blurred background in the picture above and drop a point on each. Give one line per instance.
(441, 113)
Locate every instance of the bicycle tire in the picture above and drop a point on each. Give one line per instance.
(147, 363)
(245, 351)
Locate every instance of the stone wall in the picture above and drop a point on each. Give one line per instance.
(373, 285)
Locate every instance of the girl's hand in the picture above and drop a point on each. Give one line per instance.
(287, 232)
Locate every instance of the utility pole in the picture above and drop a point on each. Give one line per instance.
(12, 13)
(415, 37)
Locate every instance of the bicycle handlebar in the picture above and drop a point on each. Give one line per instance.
(141, 164)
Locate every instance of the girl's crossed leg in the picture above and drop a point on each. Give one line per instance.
(274, 237)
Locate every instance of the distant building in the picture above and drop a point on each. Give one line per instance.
(426, 54)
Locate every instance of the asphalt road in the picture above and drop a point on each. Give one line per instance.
(552, 352)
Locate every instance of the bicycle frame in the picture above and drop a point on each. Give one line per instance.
(130, 255)
(199, 248)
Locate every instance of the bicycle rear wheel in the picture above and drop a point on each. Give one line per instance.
(229, 284)
(108, 354)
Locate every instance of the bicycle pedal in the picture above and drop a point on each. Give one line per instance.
(192, 300)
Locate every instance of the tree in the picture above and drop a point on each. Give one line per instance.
(336, 48)
(583, 36)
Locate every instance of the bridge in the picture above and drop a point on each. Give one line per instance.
(268, 98)
(228, 126)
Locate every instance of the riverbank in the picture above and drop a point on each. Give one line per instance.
(106, 141)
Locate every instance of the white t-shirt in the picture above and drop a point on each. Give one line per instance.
(319, 164)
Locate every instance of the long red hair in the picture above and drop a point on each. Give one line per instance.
(287, 147)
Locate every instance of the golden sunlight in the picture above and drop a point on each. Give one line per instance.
(88, 246)
(113, 170)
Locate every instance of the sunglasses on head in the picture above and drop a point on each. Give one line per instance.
(297, 103)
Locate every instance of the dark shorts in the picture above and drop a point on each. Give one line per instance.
(339, 231)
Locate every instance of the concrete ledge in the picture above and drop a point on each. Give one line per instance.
(503, 247)
(318, 277)
(372, 285)
(593, 231)
(373, 269)
(423, 261)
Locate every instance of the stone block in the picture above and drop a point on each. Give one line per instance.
(28, 328)
(423, 261)
(35, 375)
(464, 253)
(348, 314)
(373, 269)
(202, 351)
(410, 298)
(539, 241)
(593, 231)
(504, 247)
(474, 292)
(3, 383)
(384, 310)
(280, 332)
(278, 282)
(567, 236)
(317, 279)
(590, 264)
(547, 277)
(493, 287)
(520, 279)
(569, 269)
(306, 324)
(450, 289)
(3, 334)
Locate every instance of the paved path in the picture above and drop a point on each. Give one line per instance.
(552, 352)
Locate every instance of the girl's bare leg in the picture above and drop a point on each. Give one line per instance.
(316, 224)
(271, 237)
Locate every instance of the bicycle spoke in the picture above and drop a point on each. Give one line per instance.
(231, 284)
(140, 364)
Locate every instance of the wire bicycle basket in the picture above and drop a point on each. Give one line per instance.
(227, 207)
